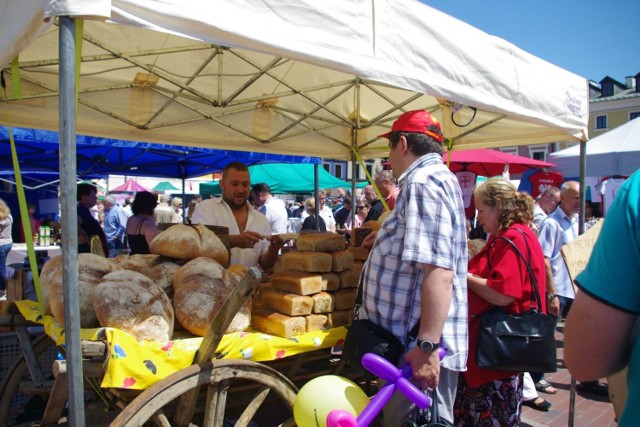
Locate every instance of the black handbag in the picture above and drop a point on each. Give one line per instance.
(364, 336)
(523, 342)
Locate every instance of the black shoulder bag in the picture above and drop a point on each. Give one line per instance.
(364, 336)
(523, 342)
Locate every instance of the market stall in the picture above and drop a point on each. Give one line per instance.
(237, 75)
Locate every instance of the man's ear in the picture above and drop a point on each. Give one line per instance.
(404, 145)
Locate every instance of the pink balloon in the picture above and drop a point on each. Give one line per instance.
(341, 418)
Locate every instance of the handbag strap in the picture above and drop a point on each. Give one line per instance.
(534, 283)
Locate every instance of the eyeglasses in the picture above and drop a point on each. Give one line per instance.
(360, 207)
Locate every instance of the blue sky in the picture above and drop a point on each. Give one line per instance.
(591, 38)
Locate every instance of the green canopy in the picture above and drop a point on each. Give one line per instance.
(164, 186)
(284, 178)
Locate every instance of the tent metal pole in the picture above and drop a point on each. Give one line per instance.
(67, 111)
(581, 229)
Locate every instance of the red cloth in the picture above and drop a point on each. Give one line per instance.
(541, 180)
(509, 276)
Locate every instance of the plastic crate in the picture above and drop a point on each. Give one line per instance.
(10, 351)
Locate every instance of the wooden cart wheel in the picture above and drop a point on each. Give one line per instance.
(19, 373)
(235, 390)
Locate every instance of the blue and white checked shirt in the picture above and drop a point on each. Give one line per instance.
(427, 226)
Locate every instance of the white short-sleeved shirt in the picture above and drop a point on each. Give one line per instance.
(276, 212)
(218, 212)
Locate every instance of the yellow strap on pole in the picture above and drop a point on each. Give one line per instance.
(370, 179)
(24, 214)
(448, 142)
(15, 79)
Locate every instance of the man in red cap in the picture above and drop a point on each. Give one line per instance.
(416, 271)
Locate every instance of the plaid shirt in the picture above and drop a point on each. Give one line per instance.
(427, 226)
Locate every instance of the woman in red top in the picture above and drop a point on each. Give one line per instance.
(486, 397)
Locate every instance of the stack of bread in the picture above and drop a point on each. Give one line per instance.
(133, 293)
(313, 289)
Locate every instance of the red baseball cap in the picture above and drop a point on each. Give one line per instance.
(418, 121)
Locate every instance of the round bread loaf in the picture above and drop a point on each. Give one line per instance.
(139, 262)
(91, 269)
(158, 268)
(50, 270)
(130, 301)
(200, 288)
(189, 242)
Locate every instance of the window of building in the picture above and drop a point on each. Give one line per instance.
(539, 152)
(607, 88)
(369, 166)
(339, 169)
(510, 150)
(601, 122)
(634, 115)
(327, 166)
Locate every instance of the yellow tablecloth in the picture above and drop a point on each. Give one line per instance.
(139, 364)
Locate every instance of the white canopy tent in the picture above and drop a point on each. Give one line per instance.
(268, 77)
(271, 76)
(616, 152)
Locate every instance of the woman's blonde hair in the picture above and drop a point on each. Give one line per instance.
(513, 207)
(310, 203)
(4, 210)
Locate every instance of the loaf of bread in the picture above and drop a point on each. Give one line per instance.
(189, 242)
(277, 324)
(323, 302)
(345, 298)
(318, 262)
(339, 318)
(297, 282)
(330, 281)
(341, 260)
(321, 242)
(131, 302)
(201, 286)
(372, 224)
(360, 253)
(357, 268)
(139, 262)
(316, 322)
(358, 234)
(286, 303)
(91, 269)
(348, 279)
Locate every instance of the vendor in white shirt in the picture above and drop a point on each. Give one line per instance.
(247, 227)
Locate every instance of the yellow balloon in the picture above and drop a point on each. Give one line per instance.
(324, 394)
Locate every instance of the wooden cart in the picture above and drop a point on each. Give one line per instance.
(209, 392)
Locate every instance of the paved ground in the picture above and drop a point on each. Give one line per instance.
(590, 410)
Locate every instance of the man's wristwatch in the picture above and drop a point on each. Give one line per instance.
(427, 346)
(550, 297)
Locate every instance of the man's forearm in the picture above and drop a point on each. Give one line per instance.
(551, 289)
